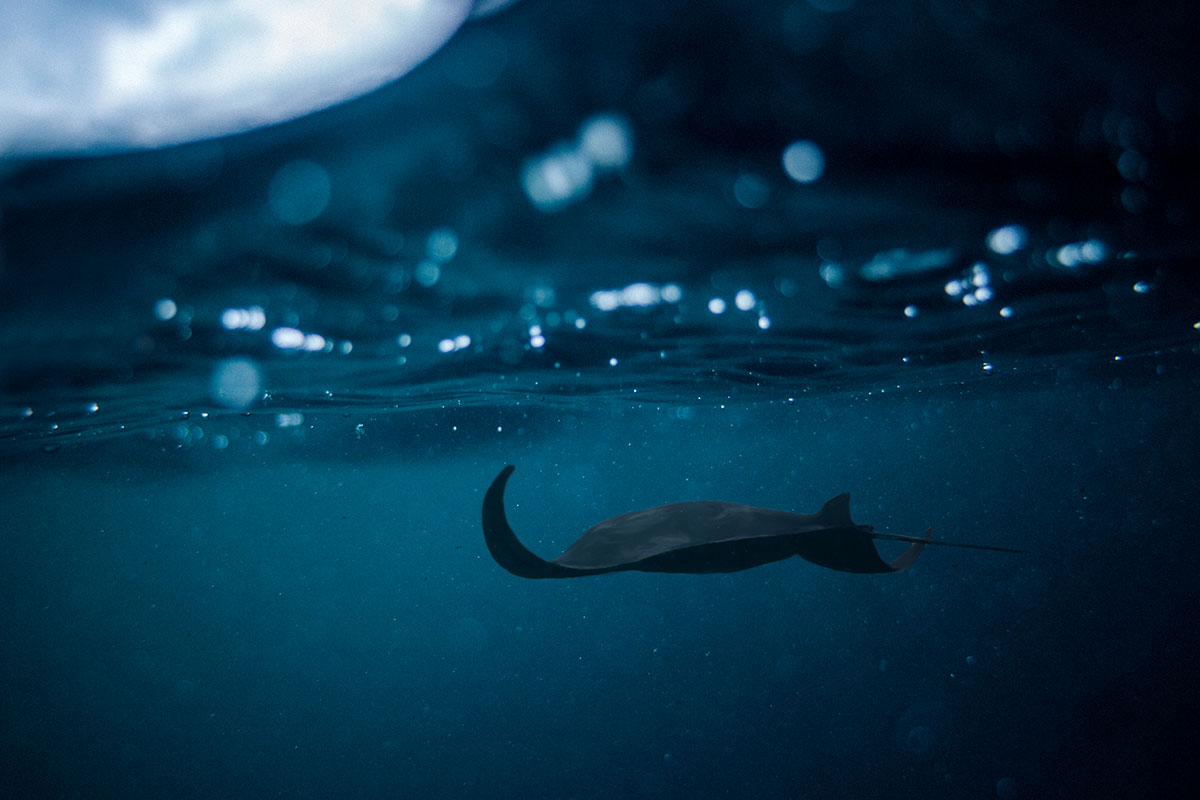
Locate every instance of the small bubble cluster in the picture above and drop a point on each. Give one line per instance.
(454, 343)
(635, 295)
(974, 288)
(250, 319)
(1077, 254)
(287, 338)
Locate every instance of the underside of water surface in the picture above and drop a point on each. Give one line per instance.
(253, 385)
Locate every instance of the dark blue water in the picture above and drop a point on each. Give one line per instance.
(938, 255)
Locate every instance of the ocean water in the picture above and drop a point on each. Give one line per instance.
(940, 256)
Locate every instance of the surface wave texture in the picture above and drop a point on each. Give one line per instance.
(940, 256)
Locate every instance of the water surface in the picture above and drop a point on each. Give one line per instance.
(940, 256)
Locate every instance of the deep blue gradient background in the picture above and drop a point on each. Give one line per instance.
(290, 596)
(336, 627)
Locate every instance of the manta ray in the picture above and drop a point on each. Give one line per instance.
(702, 537)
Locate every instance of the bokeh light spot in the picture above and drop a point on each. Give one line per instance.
(803, 161)
(299, 192)
(751, 190)
(427, 273)
(236, 383)
(442, 244)
(1007, 240)
(165, 309)
(558, 179)
(607, 141)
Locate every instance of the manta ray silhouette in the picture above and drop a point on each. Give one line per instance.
(706, 536)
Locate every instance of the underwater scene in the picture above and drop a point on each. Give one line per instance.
(286, 286)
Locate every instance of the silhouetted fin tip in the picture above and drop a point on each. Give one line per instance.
(503, 543)
(836, 511)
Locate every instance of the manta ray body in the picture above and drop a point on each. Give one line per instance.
(700, 537)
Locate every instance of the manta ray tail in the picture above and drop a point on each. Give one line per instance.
(504, 545)
(837, 512)
(899, 537)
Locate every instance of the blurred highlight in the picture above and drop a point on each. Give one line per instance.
(85, 77)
